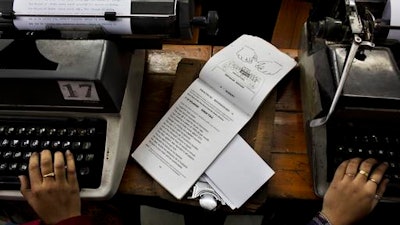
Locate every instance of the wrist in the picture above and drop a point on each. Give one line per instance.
(320, 219)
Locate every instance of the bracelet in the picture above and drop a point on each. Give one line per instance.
(320, 219)
(325, 218)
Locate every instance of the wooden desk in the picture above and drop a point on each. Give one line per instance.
(281, 144)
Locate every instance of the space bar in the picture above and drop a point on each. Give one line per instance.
(9, 183)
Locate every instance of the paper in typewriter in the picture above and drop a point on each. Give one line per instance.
(212, 110)
(74, 8)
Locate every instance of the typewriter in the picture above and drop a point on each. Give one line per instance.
(70, 78)
(350, 88)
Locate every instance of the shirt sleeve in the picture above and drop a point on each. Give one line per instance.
(34, 222)
(81, 220)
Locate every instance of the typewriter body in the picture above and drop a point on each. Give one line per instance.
(70, 78)
(350, 86)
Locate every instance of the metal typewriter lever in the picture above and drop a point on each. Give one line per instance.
(349, 60)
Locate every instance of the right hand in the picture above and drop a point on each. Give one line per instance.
(355, 190)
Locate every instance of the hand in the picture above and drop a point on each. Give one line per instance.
(355, 190)
(55, 197)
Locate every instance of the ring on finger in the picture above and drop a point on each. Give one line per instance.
(373, 180)
(363, 172)
(52, 174)
(377, 197)
(350, 174)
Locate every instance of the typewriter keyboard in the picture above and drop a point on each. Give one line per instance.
(21, 136)
(366, 140)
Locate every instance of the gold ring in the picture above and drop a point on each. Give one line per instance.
(363, 173)
(52, 174)
(373, 180)
(377, 197)
(349, 174)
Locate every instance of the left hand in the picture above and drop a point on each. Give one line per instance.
(53, 189)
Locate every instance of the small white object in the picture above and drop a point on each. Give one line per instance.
(208, 197)
(207, 201)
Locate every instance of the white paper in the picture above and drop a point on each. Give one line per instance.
(72, 7)
(204, 120)
(252, 70)
(391, 12)
(238, 173)
(189, 137)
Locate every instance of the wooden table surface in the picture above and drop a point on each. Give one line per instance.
(276, 131)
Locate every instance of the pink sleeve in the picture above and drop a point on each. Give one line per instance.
(34, 222)
(81, 220)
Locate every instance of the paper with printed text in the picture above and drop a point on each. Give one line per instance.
(212, 110)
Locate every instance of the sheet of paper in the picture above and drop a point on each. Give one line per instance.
(391, 13)
(207, 116)
(238, 172)
(72, 7)
(247, 70)
(189, 137)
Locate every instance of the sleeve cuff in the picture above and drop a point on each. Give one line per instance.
(34, 222)
(81, 220)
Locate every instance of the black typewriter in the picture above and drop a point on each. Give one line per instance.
(350, 86)
(350, 136)
(21, 136)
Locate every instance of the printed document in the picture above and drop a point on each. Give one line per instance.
(68, 14)
(212, 110)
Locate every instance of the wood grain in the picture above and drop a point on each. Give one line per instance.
(290, 22)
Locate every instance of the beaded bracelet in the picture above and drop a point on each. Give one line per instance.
(320, 219)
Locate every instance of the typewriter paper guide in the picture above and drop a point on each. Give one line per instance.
(77, 14)
(60, 7)
(391, 14)
(204, 120)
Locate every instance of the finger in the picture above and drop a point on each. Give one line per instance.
(352, 167)
(25, 191)
(381, 190)
(377, 175)
(34, 170)
(365, 168)
(340, 171)
(59, 166)
(46, 166)
(24, 183)
(46, 162)
(382, 186)
(71, 170)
